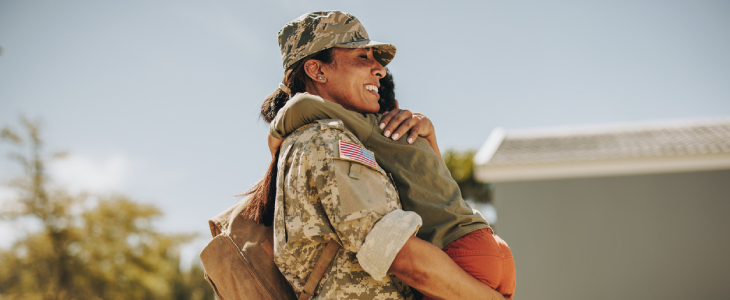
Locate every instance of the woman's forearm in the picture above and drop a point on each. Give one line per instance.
(427, 268)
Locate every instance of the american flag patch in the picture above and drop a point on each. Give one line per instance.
(354, 152)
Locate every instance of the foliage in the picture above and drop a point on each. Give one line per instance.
(86, 246)
(461, 166)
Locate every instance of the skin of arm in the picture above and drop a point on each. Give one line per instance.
(428, 269)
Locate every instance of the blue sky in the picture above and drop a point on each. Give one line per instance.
(159, 99)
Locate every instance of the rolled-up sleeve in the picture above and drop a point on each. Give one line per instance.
(385, 241)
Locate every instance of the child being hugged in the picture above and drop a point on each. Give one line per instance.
(423, 181)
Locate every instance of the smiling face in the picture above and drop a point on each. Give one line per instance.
(352, 80)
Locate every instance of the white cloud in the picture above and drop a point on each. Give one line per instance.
(117, 172)
(7, 194)
(81, 173)
(12, 230)
(8, 234)
(99, 174)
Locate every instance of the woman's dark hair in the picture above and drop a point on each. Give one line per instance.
(260, 207)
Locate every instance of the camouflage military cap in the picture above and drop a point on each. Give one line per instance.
(316, 31)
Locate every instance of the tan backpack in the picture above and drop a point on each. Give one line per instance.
(239, 261)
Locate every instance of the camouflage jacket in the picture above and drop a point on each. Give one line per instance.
(325, 194)
(425, 185)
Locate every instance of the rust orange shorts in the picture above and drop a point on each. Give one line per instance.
(487, 257)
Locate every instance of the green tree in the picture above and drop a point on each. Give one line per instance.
(461, 166)
(88, 246)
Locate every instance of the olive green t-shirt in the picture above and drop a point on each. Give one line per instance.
(424, 183)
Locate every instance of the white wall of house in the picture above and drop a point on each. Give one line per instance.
(662, 236)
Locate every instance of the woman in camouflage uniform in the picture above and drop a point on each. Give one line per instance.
(329, 187)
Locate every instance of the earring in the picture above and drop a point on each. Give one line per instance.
(321, 78)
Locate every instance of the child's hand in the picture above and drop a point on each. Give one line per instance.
(396, 123)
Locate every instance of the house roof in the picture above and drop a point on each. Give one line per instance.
(609, 149)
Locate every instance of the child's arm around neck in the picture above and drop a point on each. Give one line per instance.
(305, 108)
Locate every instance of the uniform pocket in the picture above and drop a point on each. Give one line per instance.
(360, 188)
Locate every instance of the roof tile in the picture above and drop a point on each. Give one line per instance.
(614, 142)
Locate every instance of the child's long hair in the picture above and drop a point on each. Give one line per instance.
(387, 92)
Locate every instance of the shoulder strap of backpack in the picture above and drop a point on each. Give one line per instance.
(319, 267)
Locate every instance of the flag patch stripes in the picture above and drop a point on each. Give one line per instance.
(357, 153)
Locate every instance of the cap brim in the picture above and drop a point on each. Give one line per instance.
(382, 52)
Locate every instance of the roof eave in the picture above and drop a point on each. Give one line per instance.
(614, 167)
(490, 147)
